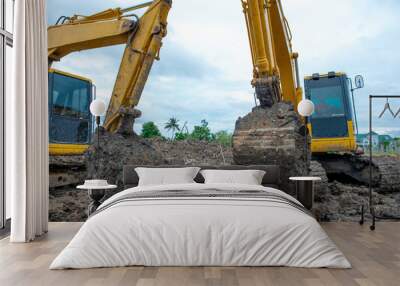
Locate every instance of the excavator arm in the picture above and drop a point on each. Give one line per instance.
(135, 66)
(143, 39)
(275, 72)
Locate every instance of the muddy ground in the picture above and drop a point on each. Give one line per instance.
(335, 200)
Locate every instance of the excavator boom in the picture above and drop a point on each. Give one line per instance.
(135, 67)
(275, 75)
(77, 36)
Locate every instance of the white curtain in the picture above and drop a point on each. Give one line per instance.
(27, 124)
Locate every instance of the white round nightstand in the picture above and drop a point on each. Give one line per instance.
(96, 194)
(305, 190)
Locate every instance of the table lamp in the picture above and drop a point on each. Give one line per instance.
(97, 109)
(305, 108)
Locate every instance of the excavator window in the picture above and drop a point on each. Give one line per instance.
(332, 114)
(70, 96)
(69, 114)
(328, 103)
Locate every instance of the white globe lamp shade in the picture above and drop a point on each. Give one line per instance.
(305, 107)
(97, 107)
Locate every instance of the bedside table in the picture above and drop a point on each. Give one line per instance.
(96, 194)
(305, 190)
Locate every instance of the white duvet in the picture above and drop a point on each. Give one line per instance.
(193, 231)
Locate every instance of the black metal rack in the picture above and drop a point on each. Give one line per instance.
(370, 201)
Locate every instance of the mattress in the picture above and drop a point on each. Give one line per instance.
(201, 225)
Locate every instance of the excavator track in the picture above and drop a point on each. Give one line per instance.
(351, 168)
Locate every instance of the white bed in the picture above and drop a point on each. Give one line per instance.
(202, 231)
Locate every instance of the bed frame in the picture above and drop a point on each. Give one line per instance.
(270, 179)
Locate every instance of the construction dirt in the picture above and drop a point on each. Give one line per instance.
(336, 197)
(69, 204)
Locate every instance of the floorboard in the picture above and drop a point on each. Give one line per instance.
(375, 256)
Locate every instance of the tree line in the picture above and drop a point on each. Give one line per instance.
(178, 132)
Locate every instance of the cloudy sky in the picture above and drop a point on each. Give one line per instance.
(205, 67)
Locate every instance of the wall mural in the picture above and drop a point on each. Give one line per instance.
(149, 85)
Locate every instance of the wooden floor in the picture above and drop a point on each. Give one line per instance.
(375, 257)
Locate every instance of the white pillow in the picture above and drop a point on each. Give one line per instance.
(166, 176)
(248, 177)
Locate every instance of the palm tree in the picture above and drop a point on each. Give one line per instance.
(172, 126)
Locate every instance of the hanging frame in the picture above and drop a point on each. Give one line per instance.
(370, 201)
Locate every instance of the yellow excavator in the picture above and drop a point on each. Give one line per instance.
(275, 67)
(70, 95)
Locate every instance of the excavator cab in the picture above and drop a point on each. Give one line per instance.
(332, 124)
(70, 120)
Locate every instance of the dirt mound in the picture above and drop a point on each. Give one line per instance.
(192, 152)
(272, 135)
(117, 150)
(342, 202)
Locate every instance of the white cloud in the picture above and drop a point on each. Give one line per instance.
(214, 31)
(324, 29)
